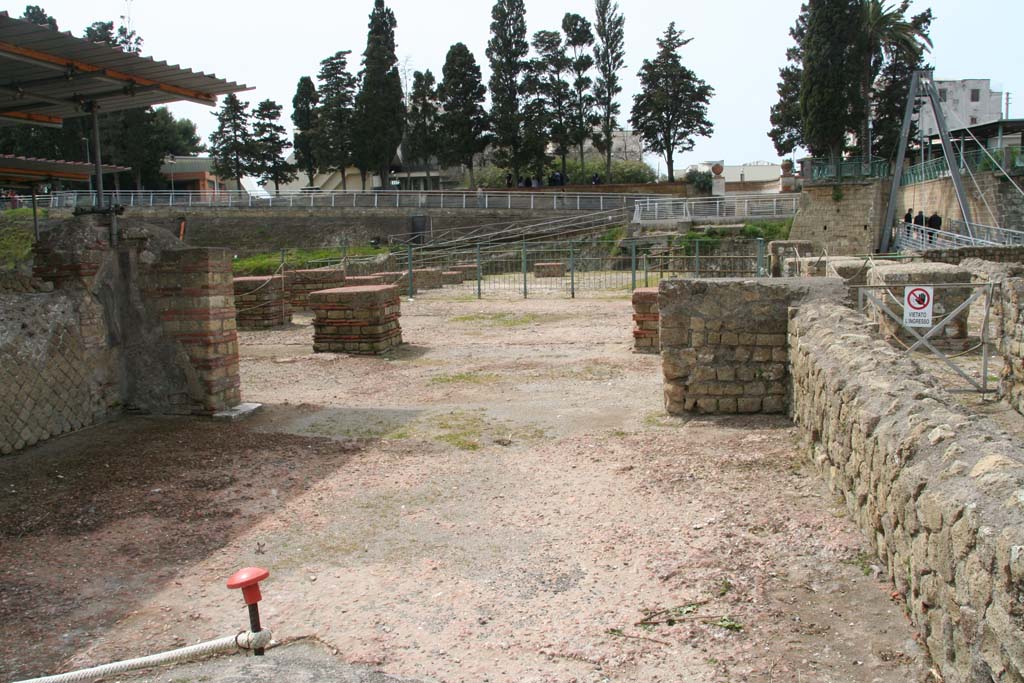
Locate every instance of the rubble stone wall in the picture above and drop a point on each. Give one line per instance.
(1011, 308)
(937, 491)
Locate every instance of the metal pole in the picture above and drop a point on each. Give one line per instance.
(524, 268)
(479, 274)
(696, 262)
(35, 214)
(96, 158)
(412, 285)
(632, 259)
(901, 156)
(572, 271)
(760, 256)
(646, 281)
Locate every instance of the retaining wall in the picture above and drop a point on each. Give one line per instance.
(843, 219)
(938, 492)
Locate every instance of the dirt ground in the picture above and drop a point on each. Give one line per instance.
(502, 499)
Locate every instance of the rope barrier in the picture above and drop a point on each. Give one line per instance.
(246, 640)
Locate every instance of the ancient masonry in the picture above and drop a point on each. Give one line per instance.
(452, 277)
(549, 270)
(780, 250)
(262, 302)
(1012, 313)
(724, 342)
(399, 278)
(363, 280)
(301, 283)
(427, 278)
(358, 320)
(646, 320)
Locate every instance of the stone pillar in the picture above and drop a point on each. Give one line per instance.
(358, 320)
(645, 316)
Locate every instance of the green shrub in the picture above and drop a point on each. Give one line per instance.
(701, 180)
(15, 245)
(767, 230)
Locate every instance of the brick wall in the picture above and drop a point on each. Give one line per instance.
(935, 490)
(646, 320)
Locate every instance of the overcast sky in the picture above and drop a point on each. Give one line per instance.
(738, 47)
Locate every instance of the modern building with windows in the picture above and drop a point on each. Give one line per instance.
(965, 103)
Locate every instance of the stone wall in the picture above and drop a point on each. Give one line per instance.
(1011, 309)
(723, 341)
(1010, 254)
(937, 491)
(843, 219)
(897, 277)
(1002, 204)
(146, 324)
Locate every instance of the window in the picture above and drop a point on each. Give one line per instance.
(974, 120)
(942, 94)
(975, 95)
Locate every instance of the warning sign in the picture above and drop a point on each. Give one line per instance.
(917, 309)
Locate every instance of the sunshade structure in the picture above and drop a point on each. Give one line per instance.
(47, 76)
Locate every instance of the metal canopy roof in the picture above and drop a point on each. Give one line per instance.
(30, 170)
(46, 76)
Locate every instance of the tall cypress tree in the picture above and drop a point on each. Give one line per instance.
(787, 131)
(270, 143)
(609, 58)
(830, 101)
(578, 39)
(305, 116)
(422, 136)
(231, 146)
(550, 71)
(335, 115)
(891, 91)
(506, 51)
(462, 123)
(380, 111)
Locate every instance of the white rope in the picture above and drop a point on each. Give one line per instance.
(246, 640)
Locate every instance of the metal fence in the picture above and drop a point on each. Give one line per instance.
(825, 170)
(652, 211)
(523, 200)
(1011, 158)
(588, 266)
(917, 238)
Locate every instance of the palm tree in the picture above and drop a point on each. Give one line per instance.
(885, 32)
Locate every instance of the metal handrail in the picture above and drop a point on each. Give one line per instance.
(440, 199)
(729, 206)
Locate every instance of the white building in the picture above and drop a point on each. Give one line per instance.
(965, 103)
(750, 172)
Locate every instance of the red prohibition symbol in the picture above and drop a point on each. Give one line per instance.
(918, 299)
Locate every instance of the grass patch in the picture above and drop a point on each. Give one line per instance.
(462, 430)
(466, 378)
(499, 319)
(267, 264)
(21, 214)
(768, 230)
(15, 245)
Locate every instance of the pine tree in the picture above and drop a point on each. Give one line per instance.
(231, 145)
(38, 16)
(830, 101)
(423, 137)
(305, 117)
(671, 107)
(270, 143)
(891, 90)
(379, 109)
(462, 122)
(334, 117)
(578, 40)
(506, 51)
(550, 70)
(609, 58)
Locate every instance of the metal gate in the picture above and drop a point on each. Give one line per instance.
(877, 297)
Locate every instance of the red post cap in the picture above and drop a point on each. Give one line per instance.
(248, 580)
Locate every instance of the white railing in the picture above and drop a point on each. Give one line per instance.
(738, 206)
(437, 199)
(918, 238)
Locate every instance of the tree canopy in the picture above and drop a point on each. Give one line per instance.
(462, 122)
(270, 145)
(609, 58)
(231, 145)
(671, 107)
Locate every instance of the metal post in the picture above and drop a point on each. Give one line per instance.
(479, 274)
(760, 257)
(632, 259)
(96, 159)
(572, 271)
(524, 267)
(412, 286)
(35, 215)
(696, 262)
(901, 156)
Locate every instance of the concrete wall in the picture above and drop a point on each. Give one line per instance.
(937, 491)
(843, 219)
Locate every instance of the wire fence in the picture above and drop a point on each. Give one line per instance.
(654, 211)
(563, 268)
(1011, 158)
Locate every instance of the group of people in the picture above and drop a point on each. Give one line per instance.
(556, 179)
(9, 199)
(934, 221)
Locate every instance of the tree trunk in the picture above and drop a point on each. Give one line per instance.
(344, 178)
(472, 178)
(608, 154)
(309, 177)
(362, 175)
(583, 162)
(277, 187)
(669, 166)
(565, 169)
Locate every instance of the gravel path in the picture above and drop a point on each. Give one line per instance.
(503, 499)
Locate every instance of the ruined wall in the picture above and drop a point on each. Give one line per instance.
(723, 341)
(55, 369)
(1010, 254)
(842, 219)
(937, 491)
(1011, 308)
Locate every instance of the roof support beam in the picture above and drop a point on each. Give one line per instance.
(20, 53)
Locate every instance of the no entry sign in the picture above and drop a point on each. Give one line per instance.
(917, 306)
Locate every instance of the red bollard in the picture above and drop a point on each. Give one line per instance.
(248, 580)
